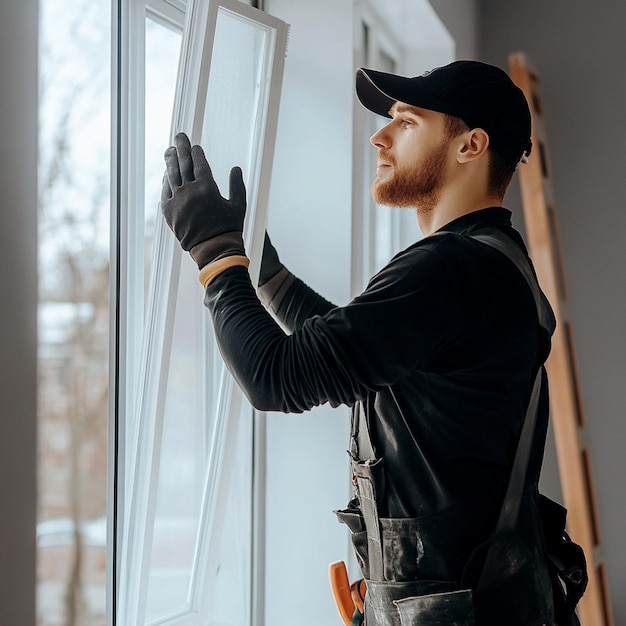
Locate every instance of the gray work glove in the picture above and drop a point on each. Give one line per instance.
(207, 225)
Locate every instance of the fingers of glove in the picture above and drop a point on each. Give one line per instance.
(185, 161)
(172, 170)
(201, 167)
(166, 190)
(237, 188)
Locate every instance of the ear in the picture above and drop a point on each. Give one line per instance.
(474, 144)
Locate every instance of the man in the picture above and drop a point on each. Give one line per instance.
(437, 357)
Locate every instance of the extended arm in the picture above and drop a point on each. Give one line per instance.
(336, 357)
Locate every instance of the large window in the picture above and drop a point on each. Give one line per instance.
(184, 452)
(186, 434)
(74, 157)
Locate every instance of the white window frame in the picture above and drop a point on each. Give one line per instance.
(135, 451)
(370, 52)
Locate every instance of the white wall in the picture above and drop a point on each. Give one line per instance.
(18, 310)
(578, 49)
(310, 212)
(460, 18)
(426, 41)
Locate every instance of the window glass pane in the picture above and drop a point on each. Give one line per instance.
(162, 51)
(233, 106)
(74, 157)
(236, 107)
(183, 454)
(229, 596)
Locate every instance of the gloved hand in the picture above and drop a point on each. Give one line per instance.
(270, 263)
(207, 225)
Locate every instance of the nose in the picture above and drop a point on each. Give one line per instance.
(381, 138)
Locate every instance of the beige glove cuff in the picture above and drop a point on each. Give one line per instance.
(215, 268)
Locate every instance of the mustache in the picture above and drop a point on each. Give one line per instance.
(386, 157)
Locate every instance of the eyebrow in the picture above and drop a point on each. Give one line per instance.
(400, 107)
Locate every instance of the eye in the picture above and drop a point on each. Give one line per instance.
(406, 122)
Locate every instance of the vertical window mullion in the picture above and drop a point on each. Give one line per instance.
(127, 254)
(140, 388)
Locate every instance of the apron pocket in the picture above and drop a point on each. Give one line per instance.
(402, 548)
(353, 519)
(383, 598)
(454, 608)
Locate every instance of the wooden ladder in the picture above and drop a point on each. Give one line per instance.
(566, 406)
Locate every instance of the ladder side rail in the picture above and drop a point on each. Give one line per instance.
(566, 407)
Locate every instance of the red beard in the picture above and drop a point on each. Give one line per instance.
(418, 186)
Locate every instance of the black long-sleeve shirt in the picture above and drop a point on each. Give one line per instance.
(438, 356)
(440, 350)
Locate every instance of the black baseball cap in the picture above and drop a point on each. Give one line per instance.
(482, 95)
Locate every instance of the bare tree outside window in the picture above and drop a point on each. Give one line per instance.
(73, 310)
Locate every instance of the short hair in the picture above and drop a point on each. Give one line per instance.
(500, 172)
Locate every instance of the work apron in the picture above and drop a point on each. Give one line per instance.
(417, 569)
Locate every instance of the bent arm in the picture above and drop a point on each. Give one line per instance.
(279, 372)
(337, 357)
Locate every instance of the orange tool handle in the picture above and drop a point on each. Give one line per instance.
(340, 586)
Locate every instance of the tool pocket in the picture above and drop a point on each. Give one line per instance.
(402, 548)
(427, 547)
(454, 608)
(353, 519)
(412, 603)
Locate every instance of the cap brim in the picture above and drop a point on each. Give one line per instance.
(370, 95)
(379, 91)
